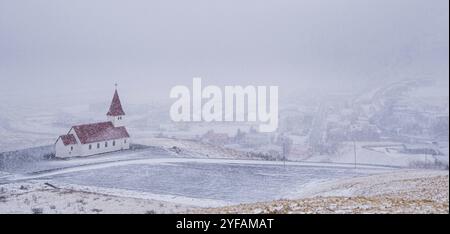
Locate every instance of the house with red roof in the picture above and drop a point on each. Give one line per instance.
(96, 138)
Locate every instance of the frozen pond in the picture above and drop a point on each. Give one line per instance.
(232, 183)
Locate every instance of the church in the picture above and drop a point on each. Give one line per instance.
(96, 138)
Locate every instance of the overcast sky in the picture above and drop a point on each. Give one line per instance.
(52, 47)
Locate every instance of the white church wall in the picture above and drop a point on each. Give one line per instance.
(64, 151)
(120, 144)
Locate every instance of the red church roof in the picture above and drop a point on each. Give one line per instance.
(116, 108)
(68, 139)
(104, 131)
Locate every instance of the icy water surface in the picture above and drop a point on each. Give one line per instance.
(224, 182)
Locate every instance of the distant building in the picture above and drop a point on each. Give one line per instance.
(96, 138)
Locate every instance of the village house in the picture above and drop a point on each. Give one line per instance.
(96, 138)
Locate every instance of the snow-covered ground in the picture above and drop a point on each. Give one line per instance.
(39, 197)
(399, 191)
(151, 175)
(160, 179)
(404, 191)
(200, 178)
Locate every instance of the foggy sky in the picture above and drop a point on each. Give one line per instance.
(61, 48)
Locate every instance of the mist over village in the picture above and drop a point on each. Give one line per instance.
(301, 107)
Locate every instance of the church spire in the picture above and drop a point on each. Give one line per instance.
(116, 107)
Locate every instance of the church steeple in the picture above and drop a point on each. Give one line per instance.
(116, 113)
(116, 107)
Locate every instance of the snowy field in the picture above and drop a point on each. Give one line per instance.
(223, 182)
(158, 174)
(399, 192)
(158, 179)
(338, 190)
